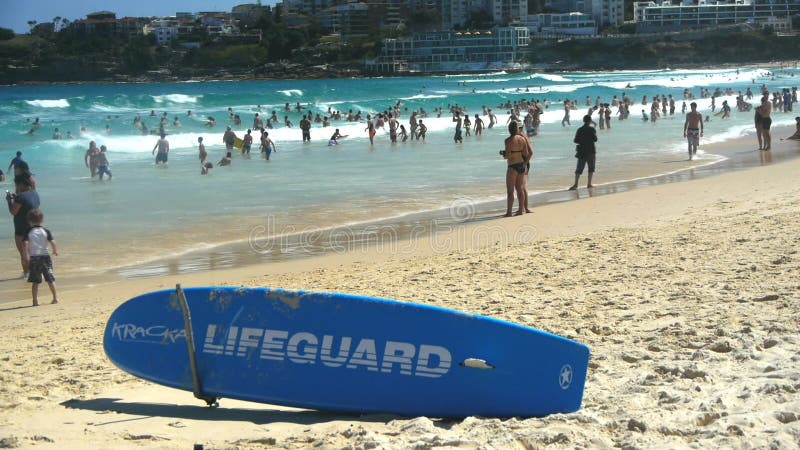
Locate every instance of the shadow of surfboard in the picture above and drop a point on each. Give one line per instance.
(197, 412)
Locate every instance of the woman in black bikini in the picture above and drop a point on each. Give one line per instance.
(516, 155)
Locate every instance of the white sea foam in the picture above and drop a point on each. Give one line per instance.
(488, 80)
(422, 96)
(550, 77)
(561, 88)
(176, 98)
(60, 103)
(105, 108)
(292, 92)
(488, 74)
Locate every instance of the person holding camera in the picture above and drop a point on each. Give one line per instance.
(457, 136)
(585, 138)
(517, 154)
(19, 204)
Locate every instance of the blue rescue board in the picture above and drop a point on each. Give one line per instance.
(346, 353)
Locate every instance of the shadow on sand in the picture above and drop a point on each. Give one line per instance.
(15, 307)
(196, 412)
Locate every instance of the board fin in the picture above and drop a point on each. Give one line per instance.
(210, 400)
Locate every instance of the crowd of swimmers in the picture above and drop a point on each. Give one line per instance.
(526, 113)
(519, 149)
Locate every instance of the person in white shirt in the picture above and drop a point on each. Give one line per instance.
(39, 263)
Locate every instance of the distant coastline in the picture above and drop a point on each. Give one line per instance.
(302, 72)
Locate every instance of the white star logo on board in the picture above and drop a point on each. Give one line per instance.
(565, 377)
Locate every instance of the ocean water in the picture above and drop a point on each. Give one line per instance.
(148, 212)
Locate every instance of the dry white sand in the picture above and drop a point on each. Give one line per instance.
(688, 295)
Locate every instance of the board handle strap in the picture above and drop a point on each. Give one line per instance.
(187, 323)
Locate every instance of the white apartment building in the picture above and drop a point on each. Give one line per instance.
(605, 12)
(572, 24)
(163, 30)
(456, 12)
(654, 17)
(509, 11)
(453, 51)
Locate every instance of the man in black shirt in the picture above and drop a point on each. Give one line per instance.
(585, 138)
(19, 205)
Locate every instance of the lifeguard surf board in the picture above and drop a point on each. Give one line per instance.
(345, 353)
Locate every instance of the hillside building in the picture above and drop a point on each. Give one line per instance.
(105, 23)
(562, 24)
(452, 51)
(665, 16)
(606, 13)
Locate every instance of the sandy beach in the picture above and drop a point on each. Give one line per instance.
(688, 295)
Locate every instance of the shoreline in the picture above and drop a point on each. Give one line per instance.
(403, 233)
(676, 289)
(81, 266)
(423, 224)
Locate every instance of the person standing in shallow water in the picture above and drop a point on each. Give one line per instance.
(102, 163)
(585, 138)
(528, 159)
(201, 148)
(162, 145)
(90, 158)
(267, 146)
(305, 127)
(19, 204)
(515, 153)
(12, 166)
(412, 122)
(693, 129)
(229, 138)
(393, 124)
(763, 112)
(370, 130)
(457, 136)
(478, 125)
(247, 142)
(565, 120)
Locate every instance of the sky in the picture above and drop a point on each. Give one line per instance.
(15, 14)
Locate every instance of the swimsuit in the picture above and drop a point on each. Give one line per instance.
(102, 169)
(693, 135)
(519, 167)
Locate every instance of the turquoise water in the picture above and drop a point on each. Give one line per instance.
(148, 212)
